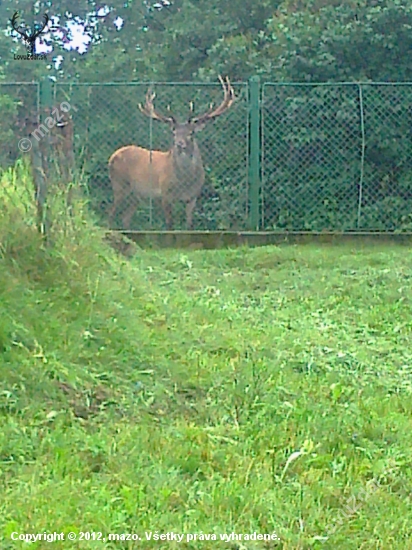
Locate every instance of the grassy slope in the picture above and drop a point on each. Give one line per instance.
(168, 393)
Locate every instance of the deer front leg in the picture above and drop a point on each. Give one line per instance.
(167, 209)
(190, 206)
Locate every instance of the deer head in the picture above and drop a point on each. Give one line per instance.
(184, 132)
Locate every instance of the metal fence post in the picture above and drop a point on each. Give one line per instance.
(39, 161)
(254, 156)
(46, 93)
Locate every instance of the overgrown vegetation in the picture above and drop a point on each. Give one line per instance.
(217, 392)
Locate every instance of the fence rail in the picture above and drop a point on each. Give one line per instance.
(285, 157)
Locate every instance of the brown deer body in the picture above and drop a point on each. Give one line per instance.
(175, 175)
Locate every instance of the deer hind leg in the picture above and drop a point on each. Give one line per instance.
(120, 192)
(113, 210)
(129, 211)
(190, 206)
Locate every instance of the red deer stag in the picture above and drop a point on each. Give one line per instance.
(174, 175)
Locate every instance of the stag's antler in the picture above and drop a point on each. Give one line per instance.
(150, 111)
(39, 31)
(228, 99)
(13, 22)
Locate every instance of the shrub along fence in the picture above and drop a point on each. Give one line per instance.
(284, 156)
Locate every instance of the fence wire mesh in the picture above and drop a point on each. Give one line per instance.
(108, 118)
(19, 104)
(337, 157)
(333, 156)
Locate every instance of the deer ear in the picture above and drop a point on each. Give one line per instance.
(198, 126)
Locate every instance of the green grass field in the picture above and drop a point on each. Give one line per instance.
(243, 391)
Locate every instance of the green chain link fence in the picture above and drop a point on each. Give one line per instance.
(290, 157)
(337, 157)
